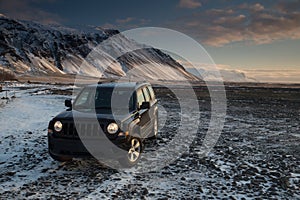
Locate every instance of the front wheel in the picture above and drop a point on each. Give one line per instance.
(133, 154)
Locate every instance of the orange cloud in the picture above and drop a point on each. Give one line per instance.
(189, 4)
(252, 23)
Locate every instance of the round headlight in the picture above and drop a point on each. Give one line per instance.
(58, 126)
(112, 128)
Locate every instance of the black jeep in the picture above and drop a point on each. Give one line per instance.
(121, 115)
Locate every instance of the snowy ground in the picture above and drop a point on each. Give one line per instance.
(257, 155)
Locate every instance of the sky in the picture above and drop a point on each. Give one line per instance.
(260, 38)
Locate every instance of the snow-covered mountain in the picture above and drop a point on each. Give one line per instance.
(31, 48)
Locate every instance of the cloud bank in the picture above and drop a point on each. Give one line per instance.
(245, 22)
(191, 4)
(275, 76)
(229, 74)
(25, 10)
(210, 72)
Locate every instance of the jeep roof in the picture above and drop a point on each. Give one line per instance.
(120, 84)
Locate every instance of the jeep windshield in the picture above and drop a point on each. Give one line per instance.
(104, 100)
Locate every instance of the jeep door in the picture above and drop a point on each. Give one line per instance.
(144, 115)
(150, 97)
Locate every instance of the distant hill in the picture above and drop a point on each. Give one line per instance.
(34, 49)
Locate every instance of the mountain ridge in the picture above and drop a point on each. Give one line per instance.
(35, 49)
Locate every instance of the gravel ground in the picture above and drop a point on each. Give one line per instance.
(256, 156)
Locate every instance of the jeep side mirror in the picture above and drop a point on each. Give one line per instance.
(145, 105)
(68, 103)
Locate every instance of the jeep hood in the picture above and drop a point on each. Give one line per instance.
(70, 114)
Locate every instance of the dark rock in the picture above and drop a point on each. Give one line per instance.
(29, 194)
(275, 173)
(145, 191)
(10, 173)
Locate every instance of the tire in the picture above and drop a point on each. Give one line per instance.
(60, 158)
(133, 153)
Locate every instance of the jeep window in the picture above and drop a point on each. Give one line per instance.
(151, 92)
(140, 98)
(83, 101)
(146, 94)
(101, 98)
